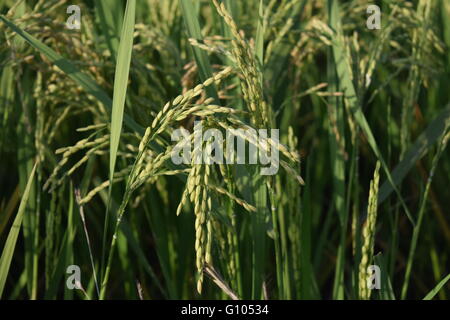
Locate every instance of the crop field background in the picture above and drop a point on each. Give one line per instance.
(92, 205)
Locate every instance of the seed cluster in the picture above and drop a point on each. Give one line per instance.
(369, 236)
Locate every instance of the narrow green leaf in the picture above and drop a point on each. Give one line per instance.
(336, 112)
(120, 82)
(8, 250)
(118, 105)
(439, 286)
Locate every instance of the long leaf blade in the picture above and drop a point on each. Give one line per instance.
(120, 82)
(8, 250)
(439, 286)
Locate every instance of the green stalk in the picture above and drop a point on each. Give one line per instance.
(118, 104)
(337, 146)
(421, 214)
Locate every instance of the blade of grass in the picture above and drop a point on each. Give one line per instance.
(8, 250)
(7, 213)
(260, 190)
(26, 155)
(71, 232)
(86, 233)
(337, 146)
(121, 83)
(118, 105)
(439, 286)
(421, 214)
